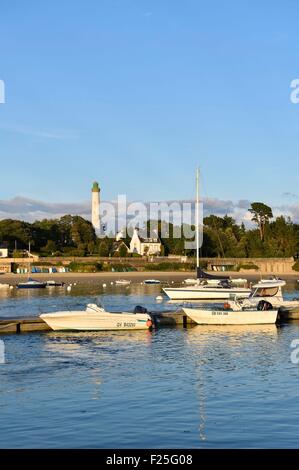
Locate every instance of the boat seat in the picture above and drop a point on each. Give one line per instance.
(140, 309)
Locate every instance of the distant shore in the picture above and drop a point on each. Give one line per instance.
(165, 276)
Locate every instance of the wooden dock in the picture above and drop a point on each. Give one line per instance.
(22, 325)
(26, 325)
(171, 318)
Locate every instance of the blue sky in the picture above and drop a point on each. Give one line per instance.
(136, 94)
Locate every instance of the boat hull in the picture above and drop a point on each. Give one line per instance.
(205, 294)
(31, 286)
(87, 321)
(229, 317)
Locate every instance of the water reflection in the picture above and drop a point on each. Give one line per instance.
(201, 333)
(93, 351)
(229, 350)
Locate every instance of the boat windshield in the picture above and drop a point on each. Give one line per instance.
(265, 292)
(99, 303)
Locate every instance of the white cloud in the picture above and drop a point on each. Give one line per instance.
(27, 209)
(55, 134)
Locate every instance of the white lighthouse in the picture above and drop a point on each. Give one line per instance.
(95, 206)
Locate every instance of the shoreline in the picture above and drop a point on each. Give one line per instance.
(166, 276)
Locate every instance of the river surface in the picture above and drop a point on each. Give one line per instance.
(195, 387)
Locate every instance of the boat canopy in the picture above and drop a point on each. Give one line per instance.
(203, 275)
(269, 284)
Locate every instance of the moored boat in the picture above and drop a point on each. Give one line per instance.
(221, 291)
(208, 286)
(96, 318)
(234, 315)
(122, 282)
(271, 290)
(53, 283)
(151, 281)
(32, 284)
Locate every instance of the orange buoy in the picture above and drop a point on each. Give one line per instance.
(226, 305)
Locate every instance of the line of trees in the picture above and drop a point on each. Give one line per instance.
(222, 237)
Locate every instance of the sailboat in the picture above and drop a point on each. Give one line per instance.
(31, 283)
(223, 290)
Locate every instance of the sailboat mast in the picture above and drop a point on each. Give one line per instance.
(29, 253)
(197, 219)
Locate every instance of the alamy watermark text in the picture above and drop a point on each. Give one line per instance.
(2, 352)
(294, 96)
(2, 92)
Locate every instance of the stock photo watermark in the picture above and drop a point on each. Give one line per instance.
(2, 352)
(295, 353)
(294, 96)
(175, 219)
(2, 92)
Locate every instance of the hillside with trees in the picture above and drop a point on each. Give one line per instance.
(222, 237)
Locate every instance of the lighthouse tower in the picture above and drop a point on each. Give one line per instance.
(95, 206)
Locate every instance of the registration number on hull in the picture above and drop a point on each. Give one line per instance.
(126, 325)
(219, 313)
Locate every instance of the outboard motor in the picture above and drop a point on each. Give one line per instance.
(140, 309)
(264, 305)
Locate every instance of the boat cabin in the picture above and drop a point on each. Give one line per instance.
(267, 289)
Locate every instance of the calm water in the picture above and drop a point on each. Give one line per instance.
(201, 387)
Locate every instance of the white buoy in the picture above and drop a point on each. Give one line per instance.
(11, 287)
(159, 298)
(69, 288)
(104, 285)
(111, 283)
(75, 283)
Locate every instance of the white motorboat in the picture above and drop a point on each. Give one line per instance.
(271, 290)
(234, 315)
(4, 286)
(96, 318)
(122, 282)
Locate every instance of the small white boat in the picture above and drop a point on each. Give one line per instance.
(95, 318)
(235, 315)
(151, 281)
(122, 282)
(53, 283)
(4, 286)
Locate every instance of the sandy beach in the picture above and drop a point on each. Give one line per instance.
(132, 276)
